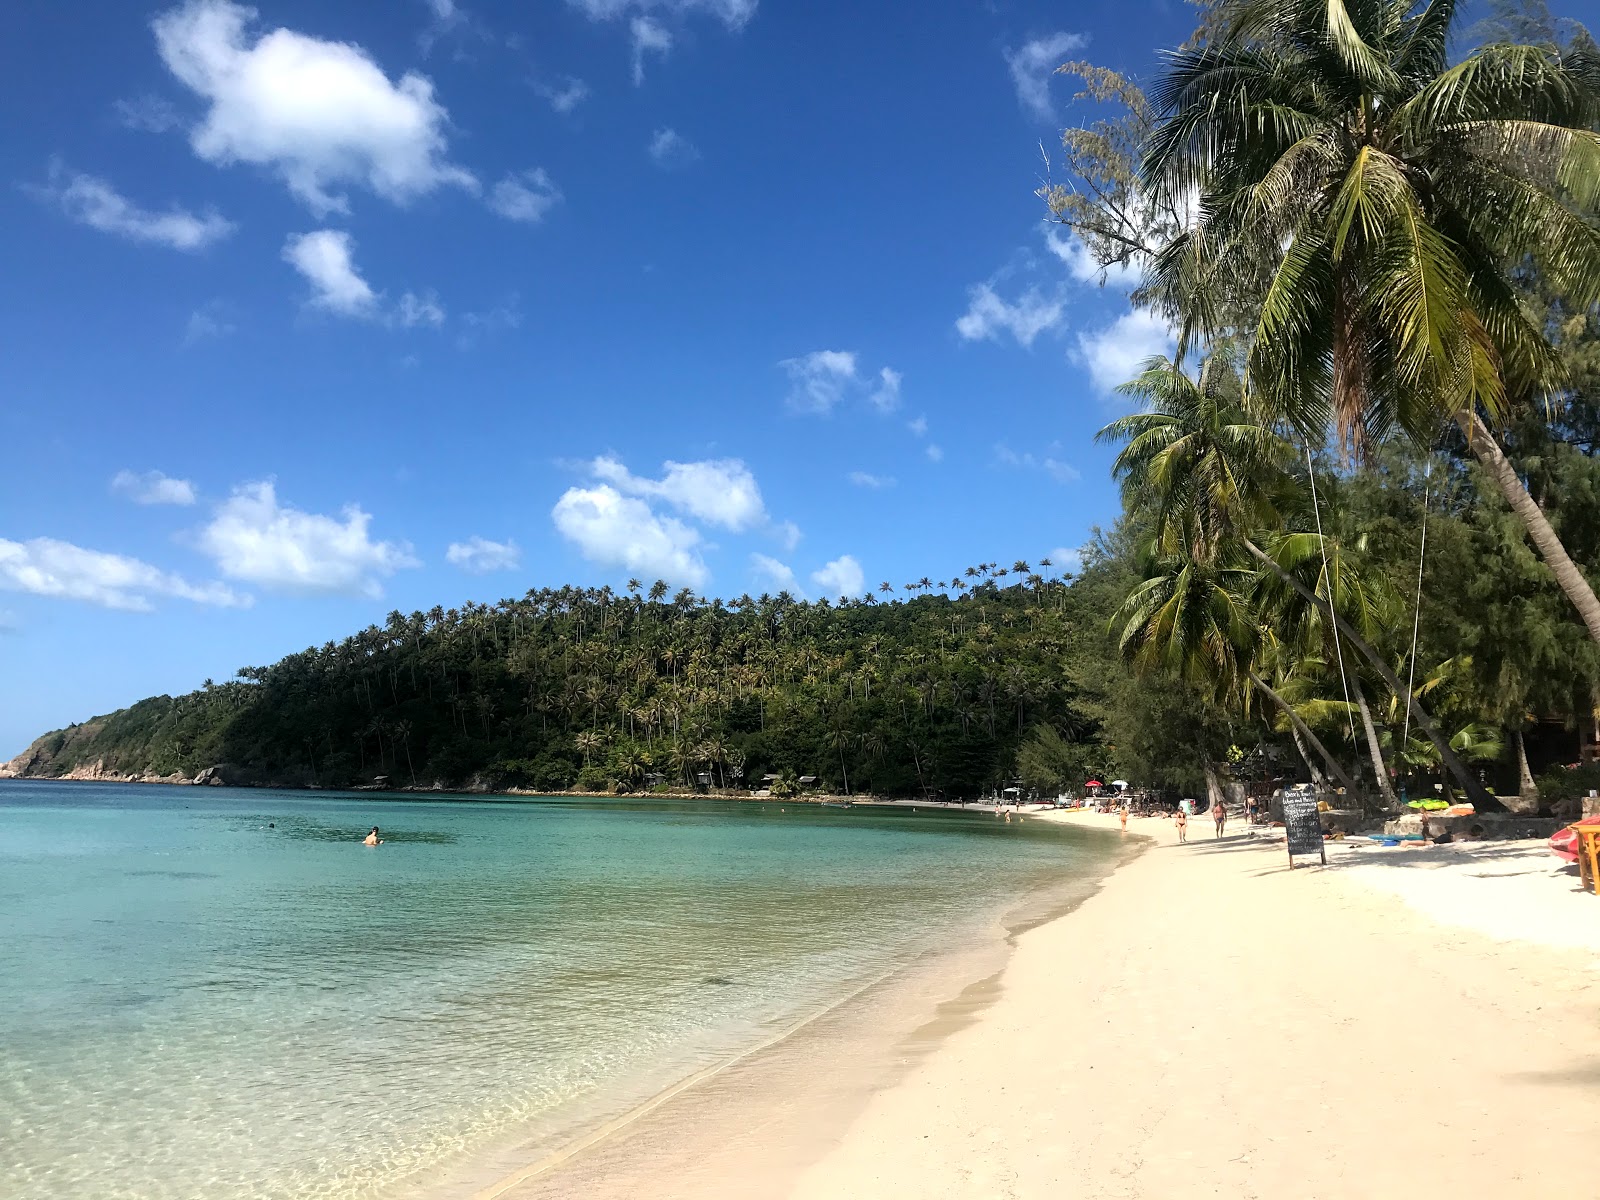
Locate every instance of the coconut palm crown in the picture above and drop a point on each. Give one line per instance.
(1368, 200)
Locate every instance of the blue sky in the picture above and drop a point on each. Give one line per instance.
(317, 311)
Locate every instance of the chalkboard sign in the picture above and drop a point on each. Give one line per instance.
(1302, 822)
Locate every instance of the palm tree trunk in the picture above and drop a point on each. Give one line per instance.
(1555, 555)
(1374, 748)
(1470, 783)
(1527, 788)
(1304, 731)
(1318, 779)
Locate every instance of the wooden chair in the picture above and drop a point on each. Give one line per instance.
(1588, 856)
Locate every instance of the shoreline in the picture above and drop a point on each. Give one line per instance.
(1201, 1022)
(750, 1125)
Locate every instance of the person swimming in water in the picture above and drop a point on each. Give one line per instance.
(372, 839)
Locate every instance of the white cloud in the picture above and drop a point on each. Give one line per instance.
(46, 567)
(987, 315)
(324, 258)
(886, 397)
(322, 114)
(623, 531)
(1066, 558)
(147, 114)
(254, 538)
(479, 556)
(934, 453)
(669, 149)
(777, 574)
(1113, 355)
(571, 93)
(479, 325)
(1048, 462)
(867, 480)
(841, 577)
(918, 426)
(732, 13)
(95, 203)
(819, 379)
(788, 533)
(649, 37)
(717, 491)
(423, 309)
(1082, 266)
(1032, 66)
(153, 487)
(208, 321)
(525, 196)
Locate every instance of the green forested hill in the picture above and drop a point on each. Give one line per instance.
(590, 688)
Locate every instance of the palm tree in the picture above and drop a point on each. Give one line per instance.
(1212, 477)
(1193, 620)
(1366, 201)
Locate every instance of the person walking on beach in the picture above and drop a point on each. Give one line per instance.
(1220, 816)
(1183, 826)
(372, 839)
(1123, 813)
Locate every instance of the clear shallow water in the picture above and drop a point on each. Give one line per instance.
(193, 1004)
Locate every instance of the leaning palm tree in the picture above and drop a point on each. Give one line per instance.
(1362, 203)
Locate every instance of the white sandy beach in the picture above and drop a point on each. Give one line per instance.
(1210, 1024)
(1417, 1023)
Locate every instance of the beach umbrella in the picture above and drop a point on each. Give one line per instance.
(1094, 783)
(1119, 783)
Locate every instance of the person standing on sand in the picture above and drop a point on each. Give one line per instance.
(1183, 826)
(1220, 816)
(1123, 813)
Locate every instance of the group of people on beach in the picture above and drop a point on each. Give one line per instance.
(1219, 815)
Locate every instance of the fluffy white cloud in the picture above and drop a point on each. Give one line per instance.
(322, 114)
(95, 203)
(934, 453)
(46, 567)
(325, 259)
(988, 315)
(649, 37)
(1032, 66)
(153, 487)
(423, 309)
(566, 96)
(525, 196)
(623, 531)
(479, 556)
(1048, 462)
(819, 379)
(918, 426)
(774, 573)
(867, 480)
(842, 577)
(1113, 355)
(669, 149)
(254, 538)
(717, 491)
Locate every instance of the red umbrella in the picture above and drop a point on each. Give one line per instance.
(1094, 783)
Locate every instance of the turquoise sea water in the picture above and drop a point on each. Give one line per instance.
(195, 1004)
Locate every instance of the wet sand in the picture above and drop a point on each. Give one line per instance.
(1207, 1023)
